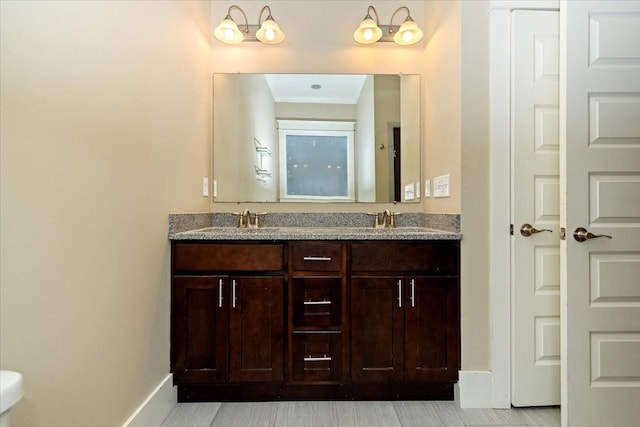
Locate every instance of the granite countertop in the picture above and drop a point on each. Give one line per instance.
(300, 227)
(315, 233)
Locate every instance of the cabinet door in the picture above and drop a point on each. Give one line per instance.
(200, 328)
(256, 342)
(377, 329)
(432, 329)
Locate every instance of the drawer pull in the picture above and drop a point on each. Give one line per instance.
(317, 303)
(323, 358)
(317, 258)
(400, 293)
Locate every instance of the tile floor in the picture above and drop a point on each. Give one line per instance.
(355, 414)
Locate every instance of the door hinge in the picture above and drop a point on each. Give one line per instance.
(563, 233)
(511, 229)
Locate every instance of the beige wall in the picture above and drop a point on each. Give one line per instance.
(105, 130)
(476, 354)
(443, 100)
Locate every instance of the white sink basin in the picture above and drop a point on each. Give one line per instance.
(11, 389)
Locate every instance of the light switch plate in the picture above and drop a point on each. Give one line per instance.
(427, 188)
(441, 186)
(205, 186)
(409, 192)
(417, 190)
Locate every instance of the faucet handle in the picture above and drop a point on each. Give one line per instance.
(257, 220)
(392, 218)
(376, 218)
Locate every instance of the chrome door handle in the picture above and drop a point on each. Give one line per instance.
(581, 235)
(400, 293)
(527, 230)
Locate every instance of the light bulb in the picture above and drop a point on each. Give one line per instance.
(368, 34)
(269, 34)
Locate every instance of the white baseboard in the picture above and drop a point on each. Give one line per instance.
(475, 389)
(156, 406)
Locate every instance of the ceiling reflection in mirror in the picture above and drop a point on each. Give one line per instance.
(316, 138)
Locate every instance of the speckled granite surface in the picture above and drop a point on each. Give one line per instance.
(314, 226)
(190, 221)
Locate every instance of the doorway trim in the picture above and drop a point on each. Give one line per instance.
(500, 273)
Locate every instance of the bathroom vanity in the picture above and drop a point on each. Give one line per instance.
(315, 313)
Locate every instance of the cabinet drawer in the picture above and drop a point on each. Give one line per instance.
(316, 301)
(317, 357)
(312, 256)
(439, 257)
(228, 257)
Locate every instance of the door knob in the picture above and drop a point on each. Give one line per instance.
(527, 230)
(581, 234)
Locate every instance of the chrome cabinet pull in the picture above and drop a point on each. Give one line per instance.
(317, 302)
(324, 358)
(400, 293)
(528, 230)
(316, 258)
(233, 296)
(413, 293)
(582, 235)
(220, 284)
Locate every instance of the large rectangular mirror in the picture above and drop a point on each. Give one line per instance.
(316, 138)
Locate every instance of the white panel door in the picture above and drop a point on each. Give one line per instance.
(600, 192)
(535, 290)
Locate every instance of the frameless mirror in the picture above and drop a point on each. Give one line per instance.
(316, 138)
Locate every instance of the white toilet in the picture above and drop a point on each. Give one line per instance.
(11, 391)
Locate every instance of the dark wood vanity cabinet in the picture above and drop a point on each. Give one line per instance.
(404, 312)
(315, 319)
(412, 336)
(227, 322)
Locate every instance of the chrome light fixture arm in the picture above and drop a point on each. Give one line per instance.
(246, 21)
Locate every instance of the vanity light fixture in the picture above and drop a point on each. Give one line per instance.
(267, 31)
(371, 31)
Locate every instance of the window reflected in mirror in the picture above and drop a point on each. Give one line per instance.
(317, 160)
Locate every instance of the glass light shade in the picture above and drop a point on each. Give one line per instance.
(368, 32)
(269, 32)
(228, 32)
(408, 33)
